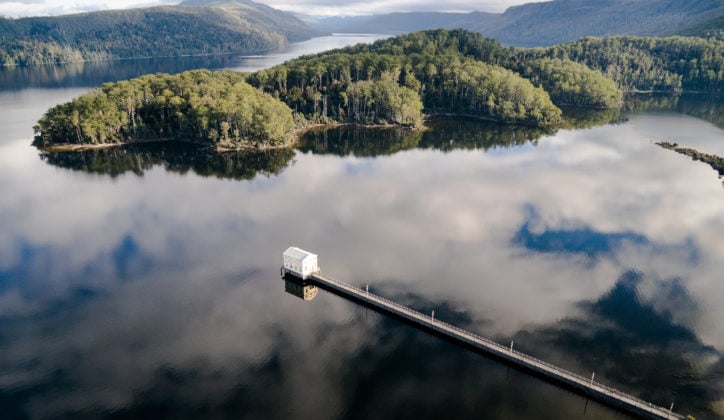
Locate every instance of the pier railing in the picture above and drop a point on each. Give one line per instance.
(561, 375)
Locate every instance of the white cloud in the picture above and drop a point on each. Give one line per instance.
(314, 7)
(58, 7)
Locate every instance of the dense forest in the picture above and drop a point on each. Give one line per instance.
(453, 72)
(664, 64)
(571, 83)
(670, 64)
(228, 26)
(394, 81)
(198, 106)
(222, 26)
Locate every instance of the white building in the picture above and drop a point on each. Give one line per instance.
(300, 262)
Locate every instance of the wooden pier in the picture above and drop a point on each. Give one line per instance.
(586, 387)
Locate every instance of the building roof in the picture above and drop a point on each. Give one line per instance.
(297, 253)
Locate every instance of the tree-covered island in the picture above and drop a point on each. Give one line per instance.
(398, 81)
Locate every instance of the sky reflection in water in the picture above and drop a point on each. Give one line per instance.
(144, 282)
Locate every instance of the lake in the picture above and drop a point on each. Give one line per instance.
(143, 282)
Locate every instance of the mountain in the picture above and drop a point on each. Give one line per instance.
(194, 27)
(552, 22)
(259, 15)
(709, 27)
(398, 23)
(549, 23)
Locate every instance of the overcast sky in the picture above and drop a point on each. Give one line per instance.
(18, 8)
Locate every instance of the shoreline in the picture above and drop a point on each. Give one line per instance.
(220, 148)
(473, 117)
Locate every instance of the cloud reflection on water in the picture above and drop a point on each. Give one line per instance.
(110, 282)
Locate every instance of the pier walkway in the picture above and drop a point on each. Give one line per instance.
(577, 383)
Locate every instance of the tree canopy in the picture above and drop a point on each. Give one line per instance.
(199, 105)
(392, 82)
(441, 67)
(147, 32)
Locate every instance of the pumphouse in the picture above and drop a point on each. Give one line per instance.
(300, 263)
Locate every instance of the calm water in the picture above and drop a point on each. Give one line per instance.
(144, 282)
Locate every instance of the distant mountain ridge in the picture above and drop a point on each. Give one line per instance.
(401, 22)
(194, 27)
(550, 23)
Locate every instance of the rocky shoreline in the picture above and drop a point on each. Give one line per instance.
(716, 162)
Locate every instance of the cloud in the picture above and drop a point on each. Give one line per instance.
(442, 229)
(14, 8)
(357, 7)
(25, 8)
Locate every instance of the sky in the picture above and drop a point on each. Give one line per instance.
(21, 8)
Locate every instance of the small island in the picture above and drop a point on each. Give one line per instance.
(200, 106)
(399, 81)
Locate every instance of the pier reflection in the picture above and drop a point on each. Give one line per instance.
(302, 289)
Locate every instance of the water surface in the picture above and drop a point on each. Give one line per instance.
(143, 282)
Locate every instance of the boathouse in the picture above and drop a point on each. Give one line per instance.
(300, 262)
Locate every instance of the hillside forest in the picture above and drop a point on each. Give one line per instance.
(396, 81)
(194, 27)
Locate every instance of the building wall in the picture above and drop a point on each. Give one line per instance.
(302, 268)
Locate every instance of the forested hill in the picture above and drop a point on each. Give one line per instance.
(549, 23)
(193, 28)
(393, 81)
(709, 28)
(559, 21)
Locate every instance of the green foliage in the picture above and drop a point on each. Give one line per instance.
(200, 106)
(670, 64)
(437, 42)
(439, 67)
(357, 88)
(150, 32)
(383, 101)
(388, 82)
(573, 84)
